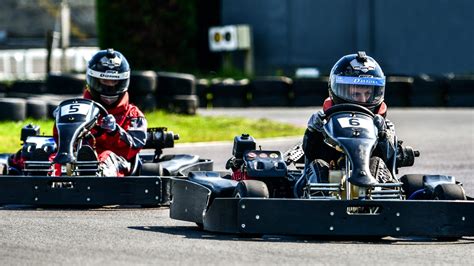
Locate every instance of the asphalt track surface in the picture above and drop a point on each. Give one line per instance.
(125, 236)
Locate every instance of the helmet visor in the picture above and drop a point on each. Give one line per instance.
(360, 90)
(108, 83)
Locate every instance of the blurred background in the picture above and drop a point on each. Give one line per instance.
(221, 53)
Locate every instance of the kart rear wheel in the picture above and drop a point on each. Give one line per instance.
(151, 169)
(411, 183)
(449, 192)
(251, 188)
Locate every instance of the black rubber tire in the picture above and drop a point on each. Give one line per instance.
(170, 84)
(309, 91)
(449, 192)
(460, 93)
(398, 89)
(151, 169)
(229, 93)
(251, 188)
(36, 109)
(27, 87)
(429, 91)
(145, 102)
(4, 87)
(65, 83)
(411, 183)
(183, 104)
(142, 82)
(13, 109)
(202, 89)
(270, 91)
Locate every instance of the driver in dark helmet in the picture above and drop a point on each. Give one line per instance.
(356, 79)
(108, 78)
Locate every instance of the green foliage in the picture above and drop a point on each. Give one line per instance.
(152, 34)
(190, 128)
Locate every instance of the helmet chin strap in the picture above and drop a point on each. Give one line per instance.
(109, 99)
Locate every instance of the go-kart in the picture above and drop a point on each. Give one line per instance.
(54, 174)
(268, 192)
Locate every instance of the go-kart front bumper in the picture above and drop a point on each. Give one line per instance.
(84, 191)
(193, 202)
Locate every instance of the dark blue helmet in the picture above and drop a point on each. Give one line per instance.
(108, 76)
(357, 78)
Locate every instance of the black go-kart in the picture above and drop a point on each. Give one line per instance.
(268, 192)
(54, 174)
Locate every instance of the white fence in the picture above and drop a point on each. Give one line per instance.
(31, 63)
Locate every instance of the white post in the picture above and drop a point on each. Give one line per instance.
(65, 32)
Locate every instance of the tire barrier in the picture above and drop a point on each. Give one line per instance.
(142, 89)
(229, 93)
(461, 91)
(309, 91)
(27, 87)
(52, 101)
(398, 90)
(202, 91)
(270, 91)
(4, 87)
(65, 83)
(183, 104)
(146, 103)
(36, 108)
(13, 109)
(429, 91)
(171, 84)
(142, 82)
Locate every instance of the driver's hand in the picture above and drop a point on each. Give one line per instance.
(109, 123)
(316, 121)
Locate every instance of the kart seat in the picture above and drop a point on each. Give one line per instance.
(173, 162)
(220, 187)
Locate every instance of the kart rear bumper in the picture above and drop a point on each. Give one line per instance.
(84, 191)
(193, 202)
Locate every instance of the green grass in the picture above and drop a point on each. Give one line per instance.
(190, 128)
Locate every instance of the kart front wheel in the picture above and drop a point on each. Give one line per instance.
(251, 188)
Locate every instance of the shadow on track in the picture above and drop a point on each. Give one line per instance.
(194, 232)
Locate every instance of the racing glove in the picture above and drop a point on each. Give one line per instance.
(379, 123)
(316, 121)
(109, 123)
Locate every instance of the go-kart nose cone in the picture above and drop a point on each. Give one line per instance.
(63, 158)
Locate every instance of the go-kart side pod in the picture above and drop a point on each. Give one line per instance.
(84, 191)
(194, 202)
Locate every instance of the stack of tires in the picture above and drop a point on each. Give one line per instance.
(398, 90)
(309, 91)
(461, 91)
(229, 93)
(142, 89)
(176, 92)
(429, 91)
(37, 98)
(202, 92)
(270, 91)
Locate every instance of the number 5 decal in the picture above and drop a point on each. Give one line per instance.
(73, 108)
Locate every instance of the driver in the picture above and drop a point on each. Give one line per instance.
(357, 79)
(108, 78)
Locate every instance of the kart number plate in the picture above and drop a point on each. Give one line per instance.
(75, 109)
(354, 122)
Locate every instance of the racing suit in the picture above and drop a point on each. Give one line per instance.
(320, 157)
(117, 149)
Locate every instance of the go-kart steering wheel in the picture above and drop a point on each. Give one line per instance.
(348, 107)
